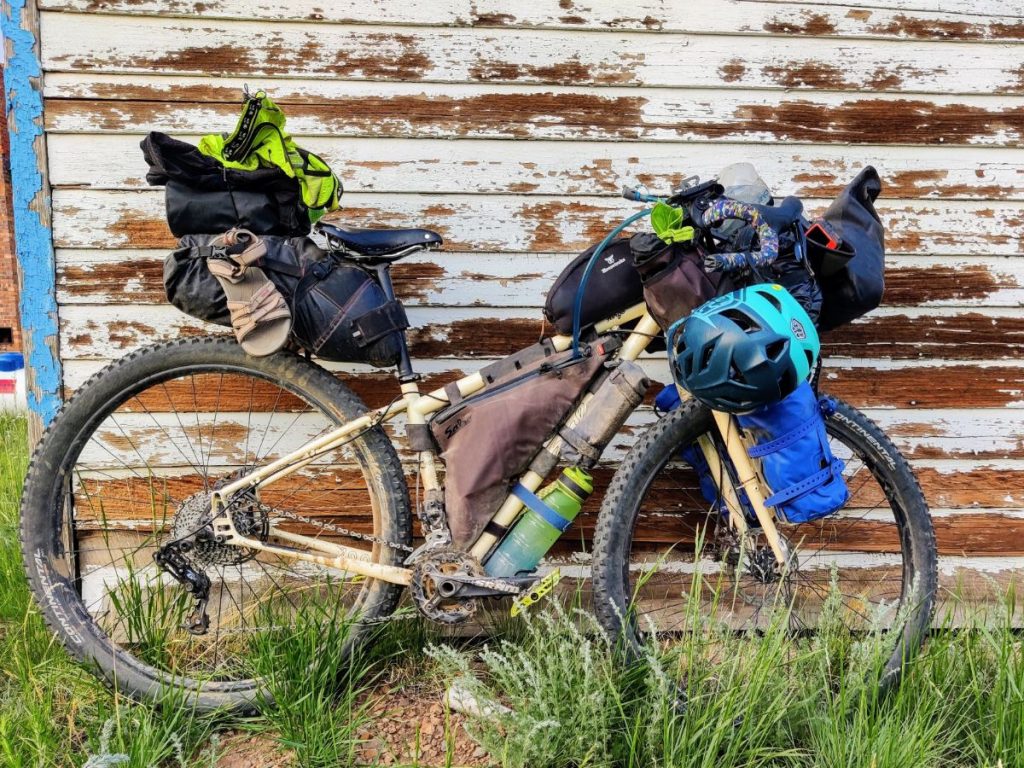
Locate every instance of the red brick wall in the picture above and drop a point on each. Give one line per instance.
(8, 278)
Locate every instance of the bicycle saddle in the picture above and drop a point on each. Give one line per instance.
(380, 244)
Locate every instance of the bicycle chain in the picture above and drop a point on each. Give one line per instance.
(337, 529)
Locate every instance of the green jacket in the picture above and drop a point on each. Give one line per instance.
(261, 141)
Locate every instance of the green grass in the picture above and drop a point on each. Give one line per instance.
(572, 700)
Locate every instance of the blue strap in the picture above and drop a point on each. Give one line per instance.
(534, 502)
(818, 478)
(787, 439)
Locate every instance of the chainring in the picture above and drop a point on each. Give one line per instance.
(427, 592)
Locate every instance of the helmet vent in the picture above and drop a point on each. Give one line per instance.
(705, 358)
(767, 296)
(776, 349)
(735, 374)
(745, 322)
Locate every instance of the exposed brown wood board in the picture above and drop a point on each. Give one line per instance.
(715, 17)
(105, 332)
(113, 161)
(112, 219)
(671, 511)
(124, 44)
(329, 108)
(940, 386)
(467, 279)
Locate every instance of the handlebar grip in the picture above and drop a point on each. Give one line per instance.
(724, 208)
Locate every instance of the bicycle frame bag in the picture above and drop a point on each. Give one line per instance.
(796, 461)
(614, 286)
(195, 291)
(488, 439)
(847, 253)
(203, 196)
(341, 313)
(673, 277)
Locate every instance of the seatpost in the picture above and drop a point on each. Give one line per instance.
(405, 371)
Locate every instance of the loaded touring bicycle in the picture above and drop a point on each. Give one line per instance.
(192, 499)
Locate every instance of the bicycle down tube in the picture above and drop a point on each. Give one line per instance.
(418, 407)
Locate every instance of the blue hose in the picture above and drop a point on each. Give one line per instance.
(578, 304)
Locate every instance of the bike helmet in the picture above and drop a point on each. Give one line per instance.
(745, 349)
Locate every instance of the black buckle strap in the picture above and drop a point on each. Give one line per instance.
(379, 322)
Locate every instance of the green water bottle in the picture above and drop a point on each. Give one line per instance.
(547, 515)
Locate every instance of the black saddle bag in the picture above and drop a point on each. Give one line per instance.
(195, 291)
(341, 313)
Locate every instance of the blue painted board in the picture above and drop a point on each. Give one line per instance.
(30, 197)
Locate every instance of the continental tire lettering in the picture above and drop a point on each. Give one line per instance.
(868, 437)
(50, 594)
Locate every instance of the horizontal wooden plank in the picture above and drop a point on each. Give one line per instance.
(349, 108)
(124, 44)
(107, 332)
(709, 17)
(523, 280)
(878, 384)
(110, 161)
(1013, 8)
(113, 219)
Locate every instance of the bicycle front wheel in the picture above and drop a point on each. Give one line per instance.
(873, 563)
(127, 468)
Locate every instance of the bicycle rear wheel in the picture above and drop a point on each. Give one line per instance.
(874, 561)
(127, 467)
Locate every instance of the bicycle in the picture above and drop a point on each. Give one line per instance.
(189, 497)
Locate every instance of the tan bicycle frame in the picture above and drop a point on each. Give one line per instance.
(418, 407)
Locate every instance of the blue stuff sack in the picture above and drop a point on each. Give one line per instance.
(790, 436)
(668, 400)
(791, 443)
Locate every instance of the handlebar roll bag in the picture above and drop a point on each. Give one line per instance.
(851, 286)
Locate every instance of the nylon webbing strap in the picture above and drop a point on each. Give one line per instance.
(787, 439)
(817, 479)
(532, 501)
(380, 321)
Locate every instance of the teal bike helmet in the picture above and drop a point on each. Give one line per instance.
(745, 349)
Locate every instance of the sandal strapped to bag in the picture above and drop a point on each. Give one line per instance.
(259, 313)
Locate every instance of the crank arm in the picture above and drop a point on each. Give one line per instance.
(479, 586)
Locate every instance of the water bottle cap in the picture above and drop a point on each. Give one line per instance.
(577, 482)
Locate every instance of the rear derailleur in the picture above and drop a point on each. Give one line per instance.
(171, 559)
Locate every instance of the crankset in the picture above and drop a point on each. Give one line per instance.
(446, 584)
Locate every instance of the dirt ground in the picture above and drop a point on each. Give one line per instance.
(410, 725)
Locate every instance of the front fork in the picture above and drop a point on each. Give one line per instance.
(748, 480)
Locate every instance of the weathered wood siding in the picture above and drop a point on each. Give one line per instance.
(509, 128)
